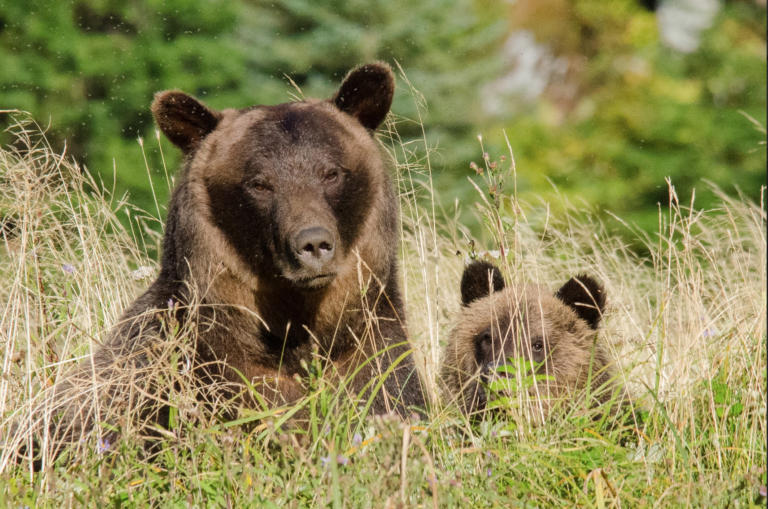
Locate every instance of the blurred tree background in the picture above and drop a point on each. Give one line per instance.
(602, 98)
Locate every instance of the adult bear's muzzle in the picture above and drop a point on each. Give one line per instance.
(314, 249)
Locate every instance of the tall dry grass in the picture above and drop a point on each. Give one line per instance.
(694, 306)
(686, 323)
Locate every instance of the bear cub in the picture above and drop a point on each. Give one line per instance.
(556, 331)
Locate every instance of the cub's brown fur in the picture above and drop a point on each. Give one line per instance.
(558, 330)
(281, 215)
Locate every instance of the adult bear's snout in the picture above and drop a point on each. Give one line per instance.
(314, 248)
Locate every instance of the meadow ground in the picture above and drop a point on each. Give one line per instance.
(686, 324)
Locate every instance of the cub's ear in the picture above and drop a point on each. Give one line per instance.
(477, 279)
(586, 296)
(366, 93)
(183, 119)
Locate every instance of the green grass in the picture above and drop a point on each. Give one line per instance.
(686, 326)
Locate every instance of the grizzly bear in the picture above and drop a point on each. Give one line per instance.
(282, 230)
(557, 332)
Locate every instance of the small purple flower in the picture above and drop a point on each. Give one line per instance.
(325, 461)
(763, 491)
(170, 304)
(69, 269)
(489, 472)
(342, 460)
(327, 429)
(357, 440)
(103, 446)
(494, 434)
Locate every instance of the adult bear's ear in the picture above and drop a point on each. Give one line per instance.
(477, 280)
(586, 297)
(366, 93)
(183, 119)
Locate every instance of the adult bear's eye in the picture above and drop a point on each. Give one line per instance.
(331, 176)
(538, 346)
(260, 186)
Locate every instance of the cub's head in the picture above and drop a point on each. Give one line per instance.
(556, 330)
(289, 190)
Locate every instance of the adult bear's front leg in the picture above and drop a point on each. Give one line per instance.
(383, 373)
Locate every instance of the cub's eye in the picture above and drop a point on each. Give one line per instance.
(538, 346)
(260, 186)
(331, 176)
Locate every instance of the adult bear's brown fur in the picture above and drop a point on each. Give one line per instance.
(281, 215)
(558, 330)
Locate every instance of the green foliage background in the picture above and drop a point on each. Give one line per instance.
(89, 69)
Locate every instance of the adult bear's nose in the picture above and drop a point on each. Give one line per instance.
(314, 247)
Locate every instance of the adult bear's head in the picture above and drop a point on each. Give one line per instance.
(292, 191)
